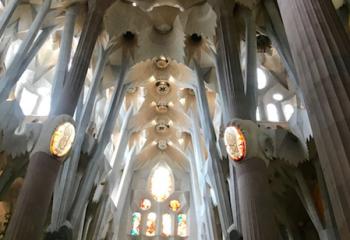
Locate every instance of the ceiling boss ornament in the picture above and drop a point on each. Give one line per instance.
(161, 62)
(235, 141)
(62, 139)
(162, 87)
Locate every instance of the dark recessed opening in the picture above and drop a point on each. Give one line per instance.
(196, 37)
(129, 35)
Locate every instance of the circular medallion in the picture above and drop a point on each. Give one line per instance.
(162, 88)
(235, 143)
(145, 204)
(162, 107)
(161, 62)
(162, 145)
(62, 139)
(162, 127)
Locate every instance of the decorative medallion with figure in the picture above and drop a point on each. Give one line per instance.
(235, 142)
(62, 140)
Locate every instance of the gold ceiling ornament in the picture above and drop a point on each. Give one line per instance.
(162, 127)
(162, 107)
(161, 62)
(62, 140)
(235, 142)
(162, 87)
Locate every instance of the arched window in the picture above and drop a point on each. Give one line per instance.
(135, 224)
(262, 79)
(166, 225)
(272, 112)
(182, 225)
(161, 182)
(288, 110)
(151, 224)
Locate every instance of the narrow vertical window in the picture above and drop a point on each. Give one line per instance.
(151, 224)
(288, 111)
(166, 225)
(272, 112)
(135, 224)
(182, 225)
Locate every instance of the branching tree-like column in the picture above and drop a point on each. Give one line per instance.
(7, 14)
(27, 222)
(253, 191)
(321, 52)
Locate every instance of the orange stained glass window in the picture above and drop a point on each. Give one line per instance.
(151, 224)
(145, 204)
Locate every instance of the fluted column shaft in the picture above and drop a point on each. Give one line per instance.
(218, 176)
(255, 201)
(251, 61)
(43, 168)
(231, 82)
(253, 193)
(61, 68)
(7, 14)
(321, 52)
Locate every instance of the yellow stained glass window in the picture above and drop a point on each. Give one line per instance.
(174, 205)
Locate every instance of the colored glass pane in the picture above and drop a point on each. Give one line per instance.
(235, 143)
(151, 224)
(182, 225)
(135, 224)
(174, 205)
(62, 139)
(145, 204)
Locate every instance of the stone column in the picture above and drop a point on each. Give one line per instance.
(230, 73)
(321, 52)
(61, 68)
(251, 61)
(32, 205)
(253, 192)
(7, 14)
(15, 70)
(255, 200)
(214, 156)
